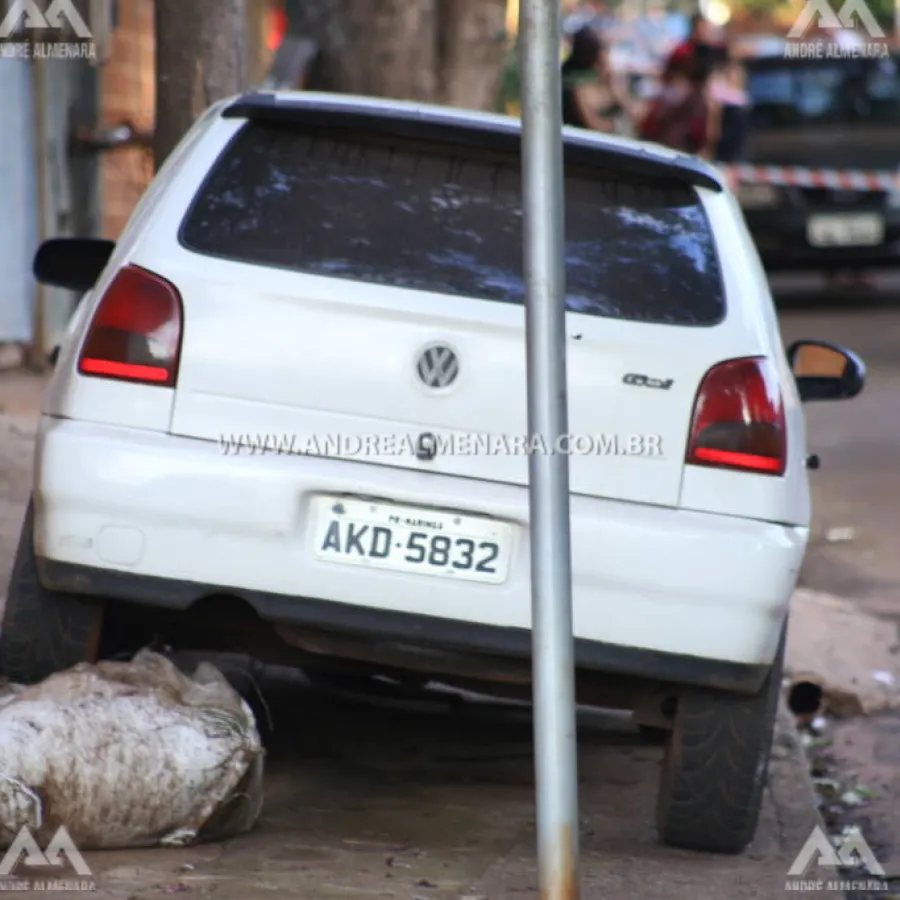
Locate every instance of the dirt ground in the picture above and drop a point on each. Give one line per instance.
(433, 802)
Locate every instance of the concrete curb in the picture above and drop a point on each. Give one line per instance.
(792, 792)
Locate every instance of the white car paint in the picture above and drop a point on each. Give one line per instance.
(666, 556)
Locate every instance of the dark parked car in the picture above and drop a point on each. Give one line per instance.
(832, 114)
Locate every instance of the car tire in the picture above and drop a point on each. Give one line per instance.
(715, 765)
(43, 631)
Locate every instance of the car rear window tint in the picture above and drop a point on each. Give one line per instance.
(448, 219)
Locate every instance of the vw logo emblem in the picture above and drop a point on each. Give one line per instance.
(438, 366)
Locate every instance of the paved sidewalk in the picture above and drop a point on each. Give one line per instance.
(375, 803)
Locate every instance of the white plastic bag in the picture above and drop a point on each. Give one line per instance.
(134, 754)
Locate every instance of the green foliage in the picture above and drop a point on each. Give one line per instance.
(761, 7)
(883, 10)
(510, 84)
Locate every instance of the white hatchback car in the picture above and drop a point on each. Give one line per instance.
(309, 271)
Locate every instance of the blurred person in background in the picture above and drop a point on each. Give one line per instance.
(588, 13)
(653, 38)
(728, 107)
(696, 52)
(678, 117)
(591, 96)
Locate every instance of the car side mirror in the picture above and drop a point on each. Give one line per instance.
(825, 371)
(72, 263)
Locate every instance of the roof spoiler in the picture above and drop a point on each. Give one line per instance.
(430, 123)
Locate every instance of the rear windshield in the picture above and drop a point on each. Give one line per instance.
(448, 219)
(826, 92)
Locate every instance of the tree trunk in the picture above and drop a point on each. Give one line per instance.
(258, 55)
(471, 34)
(439, 51)
(384, 48)
(201, 57)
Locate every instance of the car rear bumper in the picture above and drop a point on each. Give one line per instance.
(780, 237)
(393, 629)
(165, 521)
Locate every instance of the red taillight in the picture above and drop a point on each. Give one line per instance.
(739, 419)
(135, 334)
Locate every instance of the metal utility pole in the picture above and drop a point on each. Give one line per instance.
(551, 578)
(201, 57)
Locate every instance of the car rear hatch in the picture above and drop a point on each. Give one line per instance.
(347, 293)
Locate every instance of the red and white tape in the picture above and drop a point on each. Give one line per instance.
(797, 176)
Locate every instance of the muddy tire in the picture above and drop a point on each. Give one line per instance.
(715, 766)
(43, 631)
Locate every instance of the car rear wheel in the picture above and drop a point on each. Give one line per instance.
(715, 766)
(43, 631)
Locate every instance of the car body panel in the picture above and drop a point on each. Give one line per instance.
(681, 559)
(697, 584)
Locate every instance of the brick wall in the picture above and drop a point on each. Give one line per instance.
(128, 91)
(127, 86)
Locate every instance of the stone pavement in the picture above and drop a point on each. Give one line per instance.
(436, 803)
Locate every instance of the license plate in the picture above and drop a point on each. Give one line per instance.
(407, 539)
(865, 230)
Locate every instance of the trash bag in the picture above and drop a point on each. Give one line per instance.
(129, 754)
